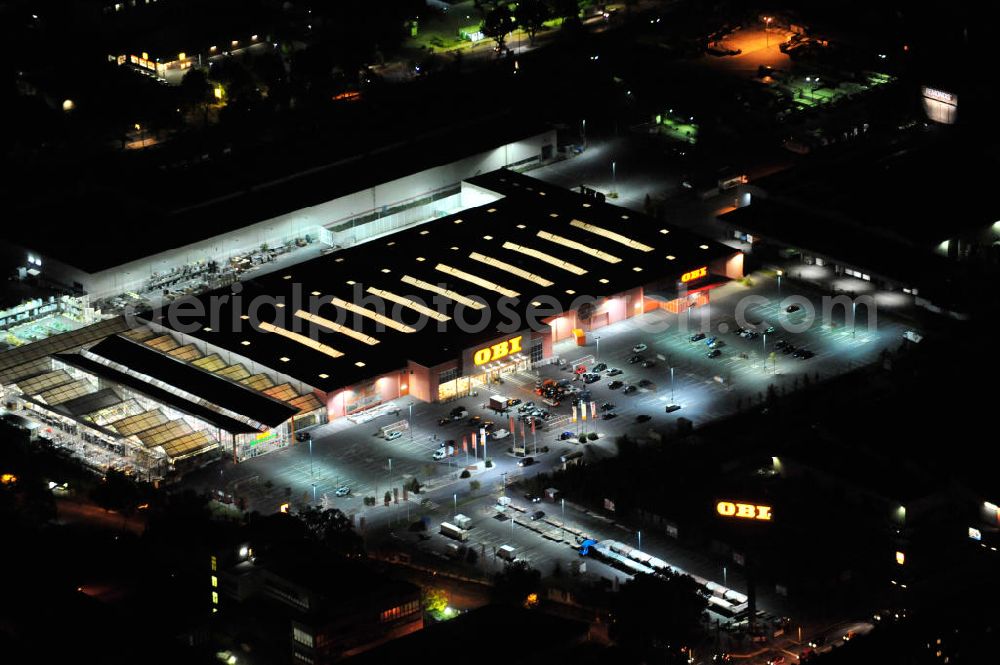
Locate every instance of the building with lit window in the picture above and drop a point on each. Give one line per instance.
(323, 608)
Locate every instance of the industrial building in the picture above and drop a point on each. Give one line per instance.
(433, 312)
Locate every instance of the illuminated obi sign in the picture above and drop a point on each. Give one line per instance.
(497, 351)
(747, 511)
(694, 274)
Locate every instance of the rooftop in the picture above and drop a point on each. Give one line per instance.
(530, 254)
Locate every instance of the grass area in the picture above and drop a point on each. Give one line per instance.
(677, 129)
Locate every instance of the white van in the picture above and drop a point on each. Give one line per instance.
(393, 435)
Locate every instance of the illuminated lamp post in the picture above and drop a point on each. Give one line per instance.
(767, 31)
(597, 353)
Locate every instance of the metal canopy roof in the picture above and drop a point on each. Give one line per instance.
(344, 317)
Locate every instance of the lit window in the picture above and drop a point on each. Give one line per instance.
(351, 282)
(570, 291)
(215, 582)
(316, 293)
(455, 249)
(390, 244)
(421, 259)
(301, 339)
(287, 277)
(553, 215)
(535, 303)
(579, 246)
(215, 563)
(586, 205)
(487, 237)
(671, 257)
(245, 343)
(386, 270)
(664, 231)
(548, 258)
(339, 259)
(611, 235)
(603, 281)
(374, 316)
(359, 364)
(207, 329)
(406, 302)
(283, 359)
(447, 293)
(324, 376)
(336, 327)
(474, 279)
(244, 317)
(424, 232)
(215, 597)
(280, 305)
(703, 246)
(521, 226)
(512, 269)
(491, 210)
(458, 221)
(624, 216)
(637, 269)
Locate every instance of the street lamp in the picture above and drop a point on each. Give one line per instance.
(639, 533)
(767, 33)
(614, 177)
(597, 353)
(455, 499)
(671, 384)
(764, 353)
(780, 273)
(854, 320)
(311, 476)
(409, 421)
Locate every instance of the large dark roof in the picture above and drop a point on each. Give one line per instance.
(205, 385)
(156, 393)
(227, 194)
(528, 209)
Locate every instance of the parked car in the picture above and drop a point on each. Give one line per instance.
(599, 367)
(642, 417)
(393, 435)
(670, 408)
(615, 385)
(614, 371)
(343, 490)
(639, 348)
(609, 415)
(629, 389)
(590, 378)
(532, 497)
(710, 341)
(714, 353)
(527, 406)
(550, 402)
(498, 434)
(537, 515)
(697, 337)
(648, 363)
(645, 383)
(527, 461)
(302, 436)
(566, 435)
(444, 421)
(607, 406)
(792, 308)
(634, 359)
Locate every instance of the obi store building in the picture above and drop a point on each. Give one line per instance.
(440, 310)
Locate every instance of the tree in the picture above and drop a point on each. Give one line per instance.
(564, 8)
(116, 492)
(675, 623)
(332, 528)
(498, 24)
(196, 93)
(515, 583)
(531, 15)
(434, 600)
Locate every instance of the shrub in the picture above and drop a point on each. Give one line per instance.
(465, 473)
(583, 438)
(489, 464)
(474, 485)
(592, 436)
